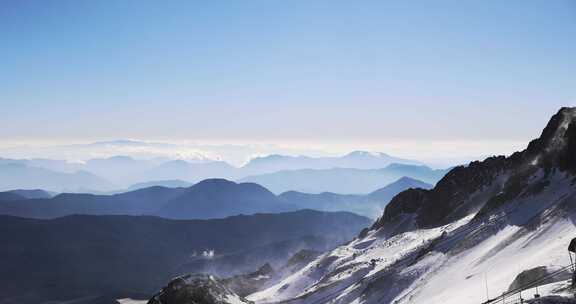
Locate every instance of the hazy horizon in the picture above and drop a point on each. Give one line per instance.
(435, 154)
(427, 80)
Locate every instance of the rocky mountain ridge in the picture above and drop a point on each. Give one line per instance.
(478, 229)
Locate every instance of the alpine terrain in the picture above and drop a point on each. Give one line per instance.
(490, 231)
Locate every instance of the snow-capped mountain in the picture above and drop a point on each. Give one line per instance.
(467, 240)
(355, 159)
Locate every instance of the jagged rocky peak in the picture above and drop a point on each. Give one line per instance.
(482, 186)
(448, 199)
(197, 289)
(557, 144)
(554, 136)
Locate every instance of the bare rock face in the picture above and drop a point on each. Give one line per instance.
(499, 178)
(445, 201)
(197, 289)
(527, 277)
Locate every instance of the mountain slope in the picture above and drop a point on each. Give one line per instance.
(48, 164)
(172, 183)
(10, 196)
(138, 202)
(342, 180)
(22, 176)
(214, 198)
(370, 205)
(386, 193)
(76, 256)
(32, 194)
(479, 228)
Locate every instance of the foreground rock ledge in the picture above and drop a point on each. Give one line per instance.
(197, 289)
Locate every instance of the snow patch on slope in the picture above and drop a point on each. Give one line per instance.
(444, 265)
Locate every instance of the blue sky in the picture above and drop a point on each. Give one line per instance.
(465, 76)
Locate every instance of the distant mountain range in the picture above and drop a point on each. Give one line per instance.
(22, 176)
(217, 198)
(211, 198)
(356, 160)
(370, 205)
(139, 202)
(78, 256)
(169, 183)
(343, 180)
(31, 194)
(113, 174)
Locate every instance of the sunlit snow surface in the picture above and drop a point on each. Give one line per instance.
(532, 231)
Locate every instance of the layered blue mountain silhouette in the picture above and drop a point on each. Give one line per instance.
(120, 173)
(370, 205)
(169, 183)
(208, 199)
(211, 198)
(343, 180)
(19, 175)
(356, 159)
(216, 198)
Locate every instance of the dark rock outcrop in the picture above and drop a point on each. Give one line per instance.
(541, 275)
(196, 289)
(452, 197)
(246, 284)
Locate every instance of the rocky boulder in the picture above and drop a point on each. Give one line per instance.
(538, 276)
(197, 289)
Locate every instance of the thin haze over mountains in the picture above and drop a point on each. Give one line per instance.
(118, 173)
(234, 154)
